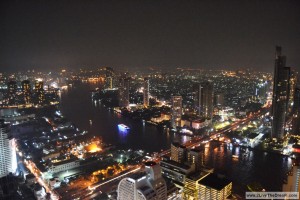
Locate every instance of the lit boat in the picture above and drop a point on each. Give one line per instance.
(235, 156)
(123, 127)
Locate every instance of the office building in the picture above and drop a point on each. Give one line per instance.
(8, 157)
(39, 93)
(146, 92)
(296, 113)
(203, 99)
(281, 91)
(124, 92)
(147, 186)
(176, 111)
(214, 186)
(195, 157)
(192, 186)
(292, 88)
(12, 92)
(178, 152)
(293, 180)
(109, 82)
(175, 171)
(26, 90)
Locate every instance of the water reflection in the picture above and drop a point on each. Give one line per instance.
(268, 169)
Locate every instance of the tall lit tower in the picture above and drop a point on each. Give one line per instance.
(296, 112)
(8, 159)
(12, 92)
(293, 84)
(39, 92)
(26, 89)
(280, 94)
(178, 152)
(176, 110)
(203, 99)
(124, 92)
(146, 92)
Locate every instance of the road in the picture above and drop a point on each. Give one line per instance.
(97, 189)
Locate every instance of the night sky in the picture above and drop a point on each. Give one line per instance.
(129, 34)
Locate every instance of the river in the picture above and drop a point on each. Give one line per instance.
(268, 169)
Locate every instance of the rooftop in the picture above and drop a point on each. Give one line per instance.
(176, 164)
(215, 181)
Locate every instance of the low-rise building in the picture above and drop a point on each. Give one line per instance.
(63, 165)
(214, 186)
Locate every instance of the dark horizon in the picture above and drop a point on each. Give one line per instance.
(45, 35)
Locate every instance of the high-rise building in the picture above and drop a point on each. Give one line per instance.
(203, 99)
(281, 91)
(178, 152)
(39, 93)
(293, 180)
(26, 90)
(109, 82)
(296, 113)
(146, 92)
(195, 157)
(124, 92)
(191, 185)
(12, 92)
(293, 84)
(8, 158)
(176, 111)
(109, 77)
(147, 186)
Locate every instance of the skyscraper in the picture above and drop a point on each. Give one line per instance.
(8, 159)
(195, 157)
(178, 152)
(12, 92)
(146, 92)
(203, 99)
(39, 93)
(124, 92)
(26, 90)
(293, 84)
(296, 113)
(176, 111)
(281, 91)
(109, 77)
(109, 82)
(146, 186)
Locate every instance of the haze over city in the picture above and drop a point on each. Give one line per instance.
(149, 100)
(139, 34)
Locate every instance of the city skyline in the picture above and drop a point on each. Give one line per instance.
(152, 100)
(143, 34)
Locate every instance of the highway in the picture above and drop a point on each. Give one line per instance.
(97, 189)
(196, 141)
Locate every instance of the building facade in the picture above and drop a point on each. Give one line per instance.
(8, 157)
(176, 111)
(204, 99)
(146, 92)
(281, 89)
(144, 186)
(124, 92)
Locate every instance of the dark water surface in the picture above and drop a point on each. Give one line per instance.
(255, 166)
